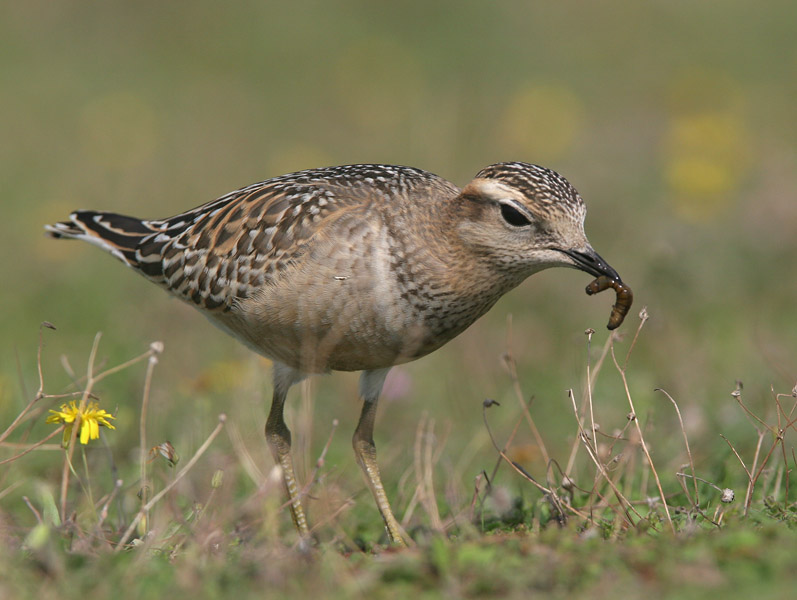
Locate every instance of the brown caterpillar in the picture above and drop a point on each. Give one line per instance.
(625, 297)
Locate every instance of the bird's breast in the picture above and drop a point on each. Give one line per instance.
(370, 303)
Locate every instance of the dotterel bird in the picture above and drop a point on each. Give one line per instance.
(355, 268)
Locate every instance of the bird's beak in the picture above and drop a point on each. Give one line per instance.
(590, 261)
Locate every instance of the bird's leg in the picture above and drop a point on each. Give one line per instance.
(365, 451)
(278, 437)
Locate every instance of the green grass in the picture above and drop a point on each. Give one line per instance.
(735, 564)
(675, 122)
(216, 524)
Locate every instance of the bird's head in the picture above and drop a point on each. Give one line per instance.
(523, 218)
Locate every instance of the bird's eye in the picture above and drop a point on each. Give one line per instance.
(513, 216)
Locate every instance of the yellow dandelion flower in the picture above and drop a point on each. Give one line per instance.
(89, 420)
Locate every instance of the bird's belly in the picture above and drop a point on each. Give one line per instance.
(350, 337)
(326, 329)
(346, 340)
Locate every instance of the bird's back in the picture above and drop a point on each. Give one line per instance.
(224, 250)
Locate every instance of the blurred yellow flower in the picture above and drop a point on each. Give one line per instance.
(707, 144)
(89, 420)
(706, 161)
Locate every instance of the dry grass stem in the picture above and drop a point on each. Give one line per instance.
(642, 442)
(778, 431)
(592, 375)
(107, 503)
(511, 364)
(154, 350)
(156, 498)
(558, 505)
(31, 447)
(592, 452)
(39, 393)
(319, 464)
(423, 461)
(244, 456)
(696, 501)
(32, 508)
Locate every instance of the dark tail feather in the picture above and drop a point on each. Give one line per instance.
(117, 234)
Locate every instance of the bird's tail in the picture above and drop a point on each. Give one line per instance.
(117, 234)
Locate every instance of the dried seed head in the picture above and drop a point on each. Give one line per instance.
(604, 451)
(643, 314)
(167, 451)
(727, 496)
(631, 416)
(567, 483)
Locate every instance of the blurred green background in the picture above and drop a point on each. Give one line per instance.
(674, 119)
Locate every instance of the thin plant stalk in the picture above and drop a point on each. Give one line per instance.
(157, 497)
(155, 349)
(39, 393)
(601, 468)
(32, 447)
(686, 443)
(592, 375)
(622, 370)
(511, 364)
